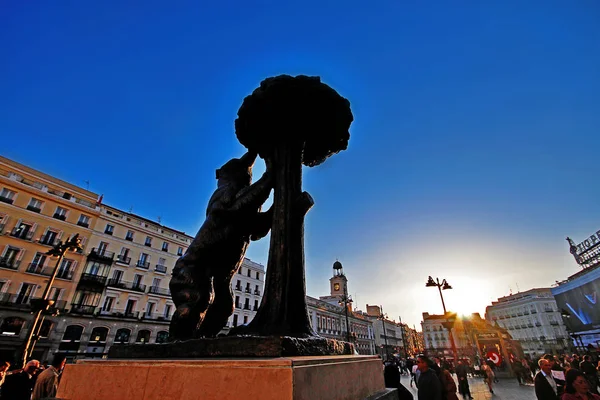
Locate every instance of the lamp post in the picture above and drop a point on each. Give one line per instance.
(402, 334)
(39, 306)
(444, 285)
(345, 300)
(382, 317)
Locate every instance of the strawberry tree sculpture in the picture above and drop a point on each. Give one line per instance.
(290, 122)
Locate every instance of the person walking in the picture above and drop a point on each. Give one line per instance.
(18, 386)
(590, 373)
(448, 385)
(545, 385)
(429, 386)
(47, 382)
(463, 381)
(488, 376)
(578, 387)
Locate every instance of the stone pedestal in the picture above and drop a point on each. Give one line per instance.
(283, 378)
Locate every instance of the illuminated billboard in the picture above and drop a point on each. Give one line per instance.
(578, 297)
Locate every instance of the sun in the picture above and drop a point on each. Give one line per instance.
(467, 296)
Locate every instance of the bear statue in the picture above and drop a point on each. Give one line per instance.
(201, 281)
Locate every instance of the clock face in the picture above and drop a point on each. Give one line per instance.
(336, 286)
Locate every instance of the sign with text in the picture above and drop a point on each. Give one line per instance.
(487, 336)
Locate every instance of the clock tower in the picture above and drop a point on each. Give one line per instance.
(339, 282)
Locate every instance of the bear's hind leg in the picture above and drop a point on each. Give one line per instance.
(191, 296)
(219, 310)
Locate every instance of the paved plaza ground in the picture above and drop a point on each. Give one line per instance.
(506, 389)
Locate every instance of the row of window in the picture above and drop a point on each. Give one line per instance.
(257, 274)
(60, 213)
(12, 326)
(109, 230)
(248, 289)
(523, 310)
(36, 205)
(246, 305)
(123, 257)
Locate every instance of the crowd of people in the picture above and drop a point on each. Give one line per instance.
(553, 377)
(34, 381)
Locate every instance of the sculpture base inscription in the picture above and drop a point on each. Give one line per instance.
(234, 346)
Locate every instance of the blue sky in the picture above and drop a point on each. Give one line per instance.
(473, 152)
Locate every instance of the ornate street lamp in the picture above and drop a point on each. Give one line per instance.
(382, 317)
(43, 304)
(449, 324)
(344, 301)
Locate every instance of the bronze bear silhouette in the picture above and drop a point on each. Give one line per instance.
(201, 282)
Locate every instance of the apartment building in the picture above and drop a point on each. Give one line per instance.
(247, 287)
(533, 318)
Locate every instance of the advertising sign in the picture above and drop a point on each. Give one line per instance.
(579, 299)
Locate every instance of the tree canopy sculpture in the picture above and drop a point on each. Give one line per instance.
(290, 121)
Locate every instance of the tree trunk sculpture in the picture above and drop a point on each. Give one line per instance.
(290, 121)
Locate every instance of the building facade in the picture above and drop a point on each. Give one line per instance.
(532, 318)
(114, 291)
(476, 339)
(390, 336)
(247, 287)
(328, 315)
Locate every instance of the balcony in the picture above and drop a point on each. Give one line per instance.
(238, 288)
(102, 255)
(159, 291)
(9, 263)
(257, 292)
(117, 283)
(122, 314)
(246, 306)
(93, 279)
(534, 311)
(554, 323)
(83, 224)
(548, 310)
(142, 264)
(530, 325)
(538, 324)
(248, 290)
(6, 200)
(161, 268)
(61, 217)
(238, 305)
(153, 316)
(123, 259)
(21, 234)
(34, 209)
(38, 269)
(18, 301)
(82, 309)
(129, 238)
(255, 308)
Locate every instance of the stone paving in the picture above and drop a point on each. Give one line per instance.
(506, 389)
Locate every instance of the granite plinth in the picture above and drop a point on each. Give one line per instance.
(284, 378)
(234, 346)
